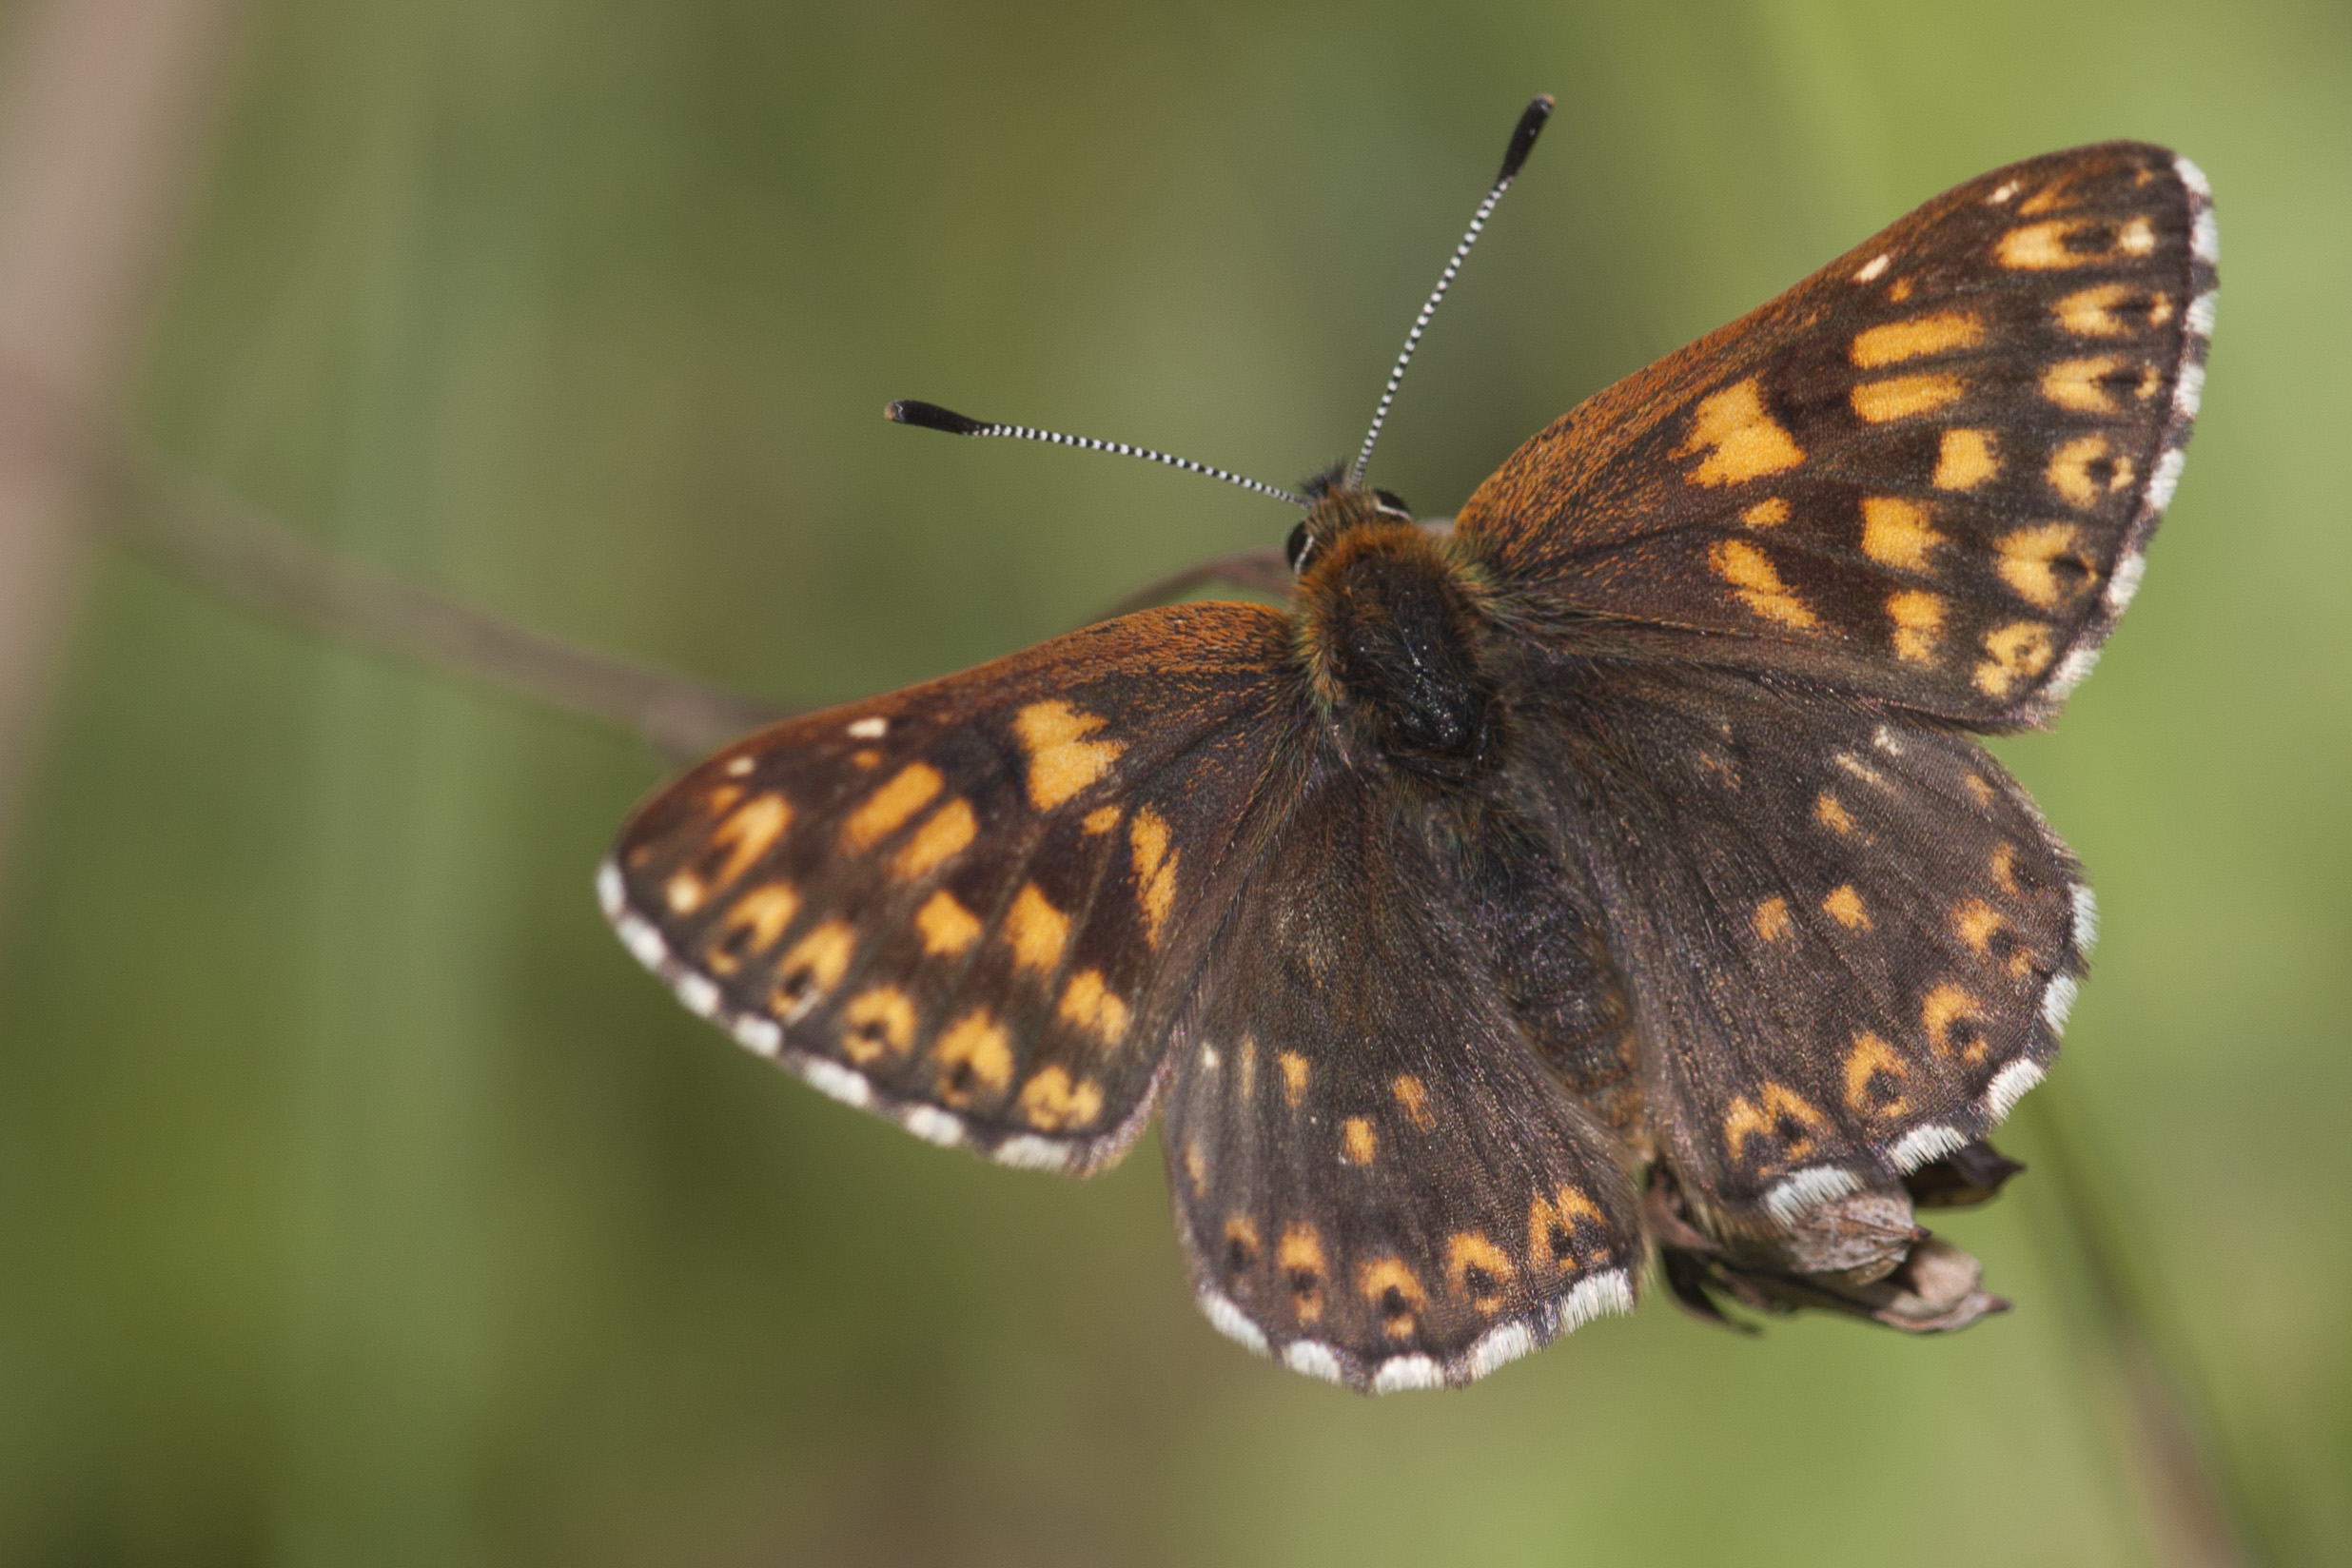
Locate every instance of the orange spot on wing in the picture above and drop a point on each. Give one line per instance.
(1414, 1096)
(1090, 1004)
(1870, 1058)
(1478, 1270)
(1766, 514)
(2014, 654)
(2093, 312)
(1937, 333)
(1771, 919)
(1918, 618)
(890, 808)
(1749, 573)
(1975, 921)
(2070, 471)
(1156, 870)
(1740, 439)
(745, 834)
(2029, 562)
(1945, 1006)
(1036, 929)
(975, 1059)
(1965, 461)
(1844, 906)
(2047, 246)
(1764, 1117)
(1102, 820)
(948, 832)
(1358, 1147)
(2080, 385)
(1901, 396)
(1301, 1256)
(814, 964)
(946, 925)
(1895, 532)
(1054, 1103)
(1062, 761)
(1393, 1288)
(751, 926)
(877, 1020)
(1295, 1073)
(1830, 813)
(1552, 1222)
(2055, 197)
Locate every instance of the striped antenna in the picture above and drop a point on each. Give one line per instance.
(1522, 143)
(929, 416)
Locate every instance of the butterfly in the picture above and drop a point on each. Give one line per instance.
(1602, 883)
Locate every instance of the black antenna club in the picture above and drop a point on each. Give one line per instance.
(929, 416)
(1522, 142)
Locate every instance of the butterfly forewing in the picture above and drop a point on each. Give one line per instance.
(975, 905)
(1927, 473)
(1850, 946)
(1375, 1178)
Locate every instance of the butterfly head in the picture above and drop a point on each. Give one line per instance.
(1334, 505)
(1391, 621)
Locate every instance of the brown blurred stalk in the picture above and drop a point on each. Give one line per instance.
(100, 104)
(252, 559)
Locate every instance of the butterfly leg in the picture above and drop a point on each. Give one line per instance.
(1863, 1254)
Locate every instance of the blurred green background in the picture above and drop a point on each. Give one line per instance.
(362, 1203)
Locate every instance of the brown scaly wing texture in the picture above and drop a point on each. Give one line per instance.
(975, 906)
(1925, 474)
(1377, 1180)
(1849, 945)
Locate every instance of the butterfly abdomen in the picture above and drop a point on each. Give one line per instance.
(1391, 628)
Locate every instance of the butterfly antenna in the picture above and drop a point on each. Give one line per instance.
(1522, 143)
(929, 416)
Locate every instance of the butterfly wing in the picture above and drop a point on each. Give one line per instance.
(1927, 473)
(975, 905)
(1849, 946)
(1377, 1179)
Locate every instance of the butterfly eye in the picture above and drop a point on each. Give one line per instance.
(1392, 504)
(1301, 545)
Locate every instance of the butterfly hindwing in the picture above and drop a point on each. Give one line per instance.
(974, 905)
(1927, 473)
(1850, 944)
(1375, 1178)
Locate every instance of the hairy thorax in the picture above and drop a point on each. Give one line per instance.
(1391, 623)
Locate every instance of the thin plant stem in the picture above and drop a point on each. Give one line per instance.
(2198, 1515)
(251, 559)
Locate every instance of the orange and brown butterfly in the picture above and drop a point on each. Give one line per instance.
(1602, 882)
